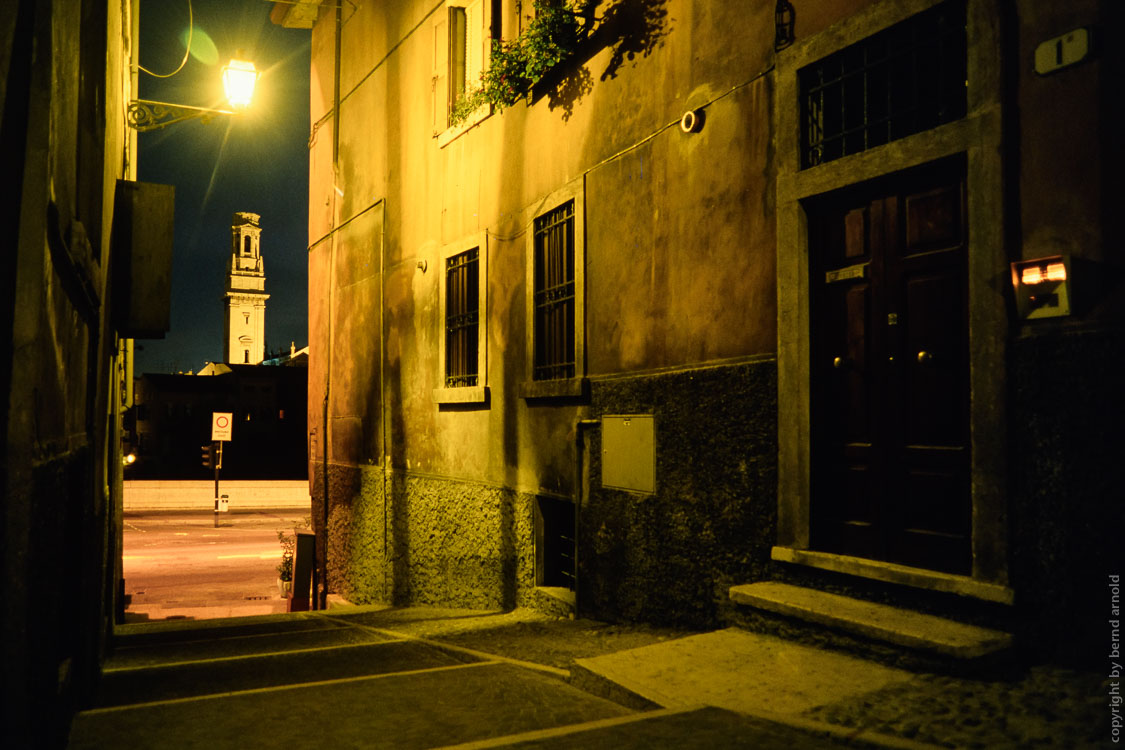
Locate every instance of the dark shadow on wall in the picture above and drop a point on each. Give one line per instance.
(399, 318)
(508, 552)
(630, 28)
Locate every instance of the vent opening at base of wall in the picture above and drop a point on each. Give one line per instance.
(554, 542)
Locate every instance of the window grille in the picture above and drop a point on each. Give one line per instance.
(462, 318)
(903, 80)
(554, 294)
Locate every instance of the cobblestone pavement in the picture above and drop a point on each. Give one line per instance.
(1049, 707)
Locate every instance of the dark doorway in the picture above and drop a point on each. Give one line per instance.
(554, 542)
(889, 370)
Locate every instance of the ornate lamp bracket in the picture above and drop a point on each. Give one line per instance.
(146, 115)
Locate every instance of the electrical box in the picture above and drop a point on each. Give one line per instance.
(142, 260)
(628, 453)
(1042, 287)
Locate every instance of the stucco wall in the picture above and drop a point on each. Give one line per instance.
(654, 197)
(64, 84)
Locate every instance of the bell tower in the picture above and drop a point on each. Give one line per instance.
(245, 298)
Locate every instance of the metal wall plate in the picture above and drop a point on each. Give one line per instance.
(629, 453)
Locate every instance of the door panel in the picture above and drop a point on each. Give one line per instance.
(889, 371)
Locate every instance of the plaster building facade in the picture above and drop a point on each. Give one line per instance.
(244, 302)
(84, 267)
(825, 294)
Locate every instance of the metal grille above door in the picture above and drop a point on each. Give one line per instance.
(905, 79)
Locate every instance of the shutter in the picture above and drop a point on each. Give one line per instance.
(474, 44)
(439, 95)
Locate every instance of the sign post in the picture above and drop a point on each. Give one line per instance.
(221, 426)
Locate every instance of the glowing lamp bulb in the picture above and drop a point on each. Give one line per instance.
(1032, 275)
(238, 81)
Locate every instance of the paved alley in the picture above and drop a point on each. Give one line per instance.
(331, 680)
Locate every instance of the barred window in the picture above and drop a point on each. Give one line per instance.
(903, 80)
(462, 318)
(554, 294)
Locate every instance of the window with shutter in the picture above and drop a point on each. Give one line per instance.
(462, 33)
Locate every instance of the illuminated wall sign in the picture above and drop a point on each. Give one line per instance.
(1042, 287)
(1063, 51)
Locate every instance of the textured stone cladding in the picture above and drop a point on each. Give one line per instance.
(412, 539)
(670, 557)
(1068, 420)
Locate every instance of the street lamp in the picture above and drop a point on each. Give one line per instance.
(238, 82)
(239, 78)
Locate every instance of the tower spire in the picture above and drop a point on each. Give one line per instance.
(245, 297)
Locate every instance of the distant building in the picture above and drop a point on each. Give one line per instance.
(293, 358)
(266, 392)
(244, 334)
(171, 419)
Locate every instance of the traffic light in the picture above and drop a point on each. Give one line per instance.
(208, 455)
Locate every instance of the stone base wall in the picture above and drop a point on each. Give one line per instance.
(670, 557)
(1067, 516)
(411, 539)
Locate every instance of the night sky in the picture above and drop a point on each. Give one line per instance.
(256, 162)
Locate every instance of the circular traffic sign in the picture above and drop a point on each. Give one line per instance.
(221, 421)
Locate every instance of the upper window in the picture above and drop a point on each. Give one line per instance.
(462, 34)
(464, 324)
(555, 294)
(903, 80)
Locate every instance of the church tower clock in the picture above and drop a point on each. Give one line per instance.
(245, 298)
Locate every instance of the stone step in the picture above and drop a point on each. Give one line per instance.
(880, 622)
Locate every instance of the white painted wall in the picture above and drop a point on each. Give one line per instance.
(147, 495)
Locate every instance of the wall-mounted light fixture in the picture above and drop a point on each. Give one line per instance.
(692, 121)
(239, 79)
(784, 23)
(1042, 287)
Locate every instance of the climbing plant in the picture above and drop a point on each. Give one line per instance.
(514, 67)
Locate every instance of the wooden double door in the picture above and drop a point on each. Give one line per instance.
(889, 372)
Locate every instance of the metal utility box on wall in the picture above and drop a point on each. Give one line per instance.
(142, 239)
(628, 453)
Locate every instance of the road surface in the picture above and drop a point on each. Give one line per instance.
(184, 564)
